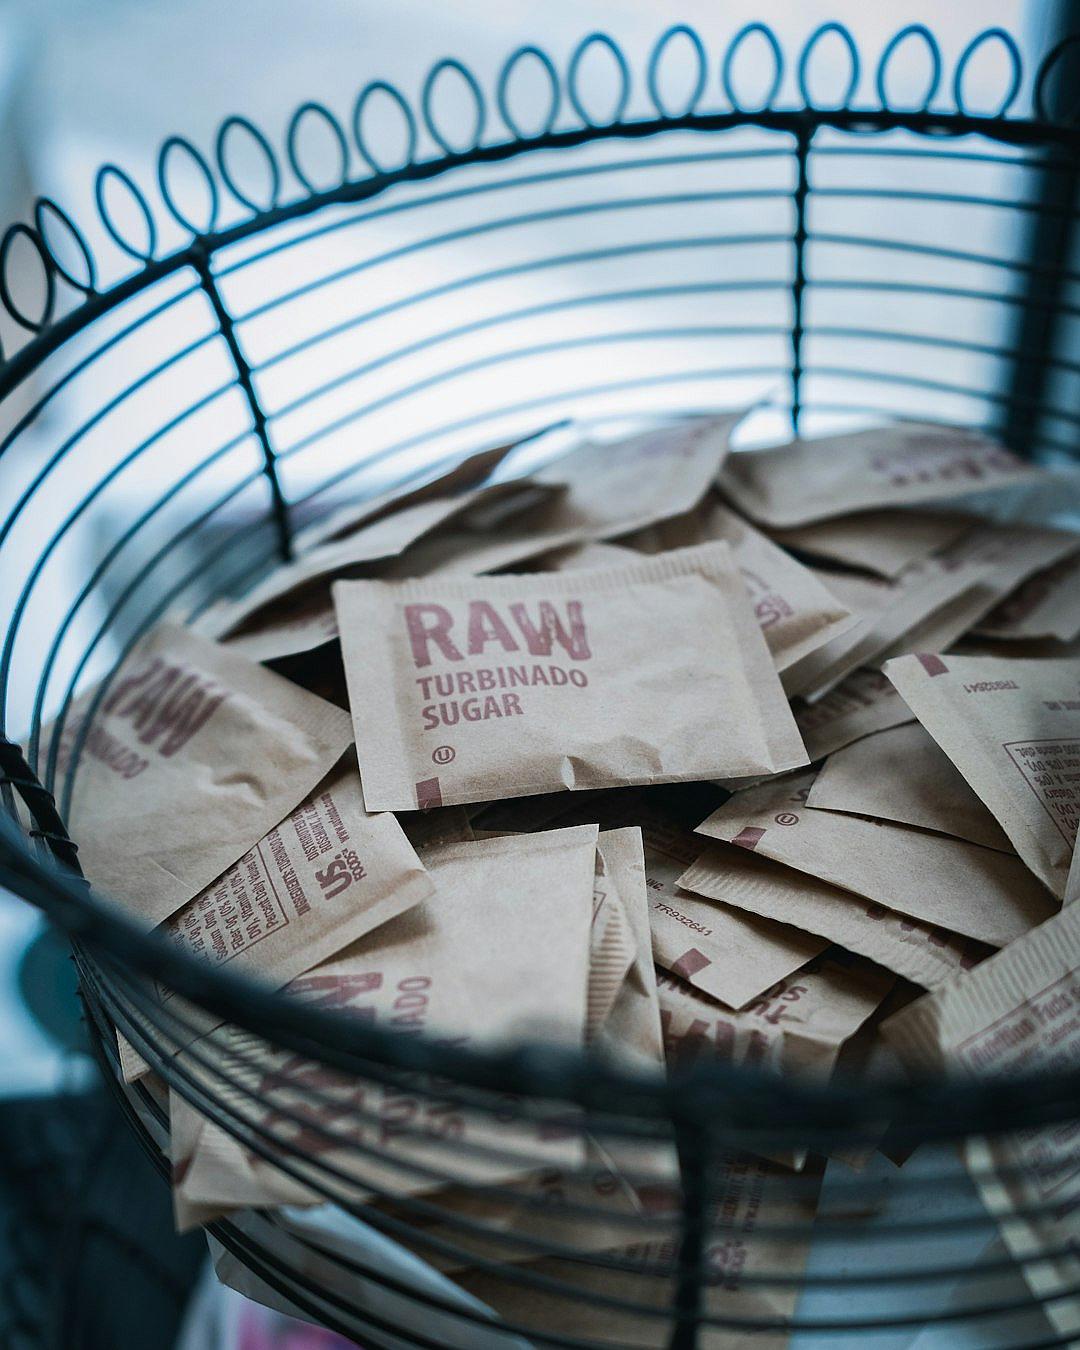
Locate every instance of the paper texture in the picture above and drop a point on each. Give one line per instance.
(291, 611)
(796, 1027)
(499, 954)
(631, 1030)
(1047, 605)
(481, 689)
(977, 892)
(891, 611)
(611, 943)
(751, 1194)
(861, 704)
(1012, 728)
(726, 954)
(318, 881)
(796, 612)
(464, 473)
(1017, 1014)
(1009, 554)
(903, 775)
(899, 465)
(882, 542)
(919, 952)
(193, 756)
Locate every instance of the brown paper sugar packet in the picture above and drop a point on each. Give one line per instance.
(900, 465)
(193, 755)
(794, 609)
(481, 689)
(500, 953)
(757, 1225)
(890, 611)
(447, 482)
(611, 943)
(1010, 553)
(903, 775)
(631, 1030)
(317, 882)
(964, 888)
(881, 542)
(614, 487)
(920, 952)
(574, 556)
(1047, 605)
(796, 1027)
(861, 704)
(1016, 1014)
(604, 489)
(1012, 728)
(731, 956)
(291, 611)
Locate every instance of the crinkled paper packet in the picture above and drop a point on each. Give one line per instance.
(729, 955)
(881, 542)
(796, 611)
(317, 882)
(949, 883)
(900, 465)
(920, 952)
(1047, 605)
(193, 755)
(466, 690)
(1018, 1013)
(904, 776)
(1012, 728)
(499, 953)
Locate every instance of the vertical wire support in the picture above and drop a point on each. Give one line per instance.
(693, 1146)
(803, 137)
(200, 257)
(48, 827)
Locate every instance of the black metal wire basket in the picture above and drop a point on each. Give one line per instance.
(496, 258)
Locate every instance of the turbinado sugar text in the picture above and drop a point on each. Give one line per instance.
(479, 694)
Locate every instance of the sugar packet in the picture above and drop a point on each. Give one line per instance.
(1017, 1014)
(499, 953)
(882, 542)
(862, 703)
(1046, 605)
(903, 775)
(1012, 728)
(899, 465)
(920, 952)
(949, 883)
(486, 688)
(193, 754)
(794, 608)
(731, 956)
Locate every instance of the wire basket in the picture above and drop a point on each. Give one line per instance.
(309, 322)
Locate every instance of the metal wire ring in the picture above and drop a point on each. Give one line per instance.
(812, 42)
(502, 92)
(244, 124)
(106, 172)
(1048, 63)
(748, 30)
(17, 231)
(980, 40)
(663, 42)
(197, 158)
(897, 40)
(46, 204)
(396, 97)
(323, 113)
(598, 40)
(448, 63)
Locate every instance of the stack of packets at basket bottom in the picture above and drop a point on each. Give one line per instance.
(736, 757)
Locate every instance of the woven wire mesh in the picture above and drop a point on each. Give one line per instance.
(349, 310)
